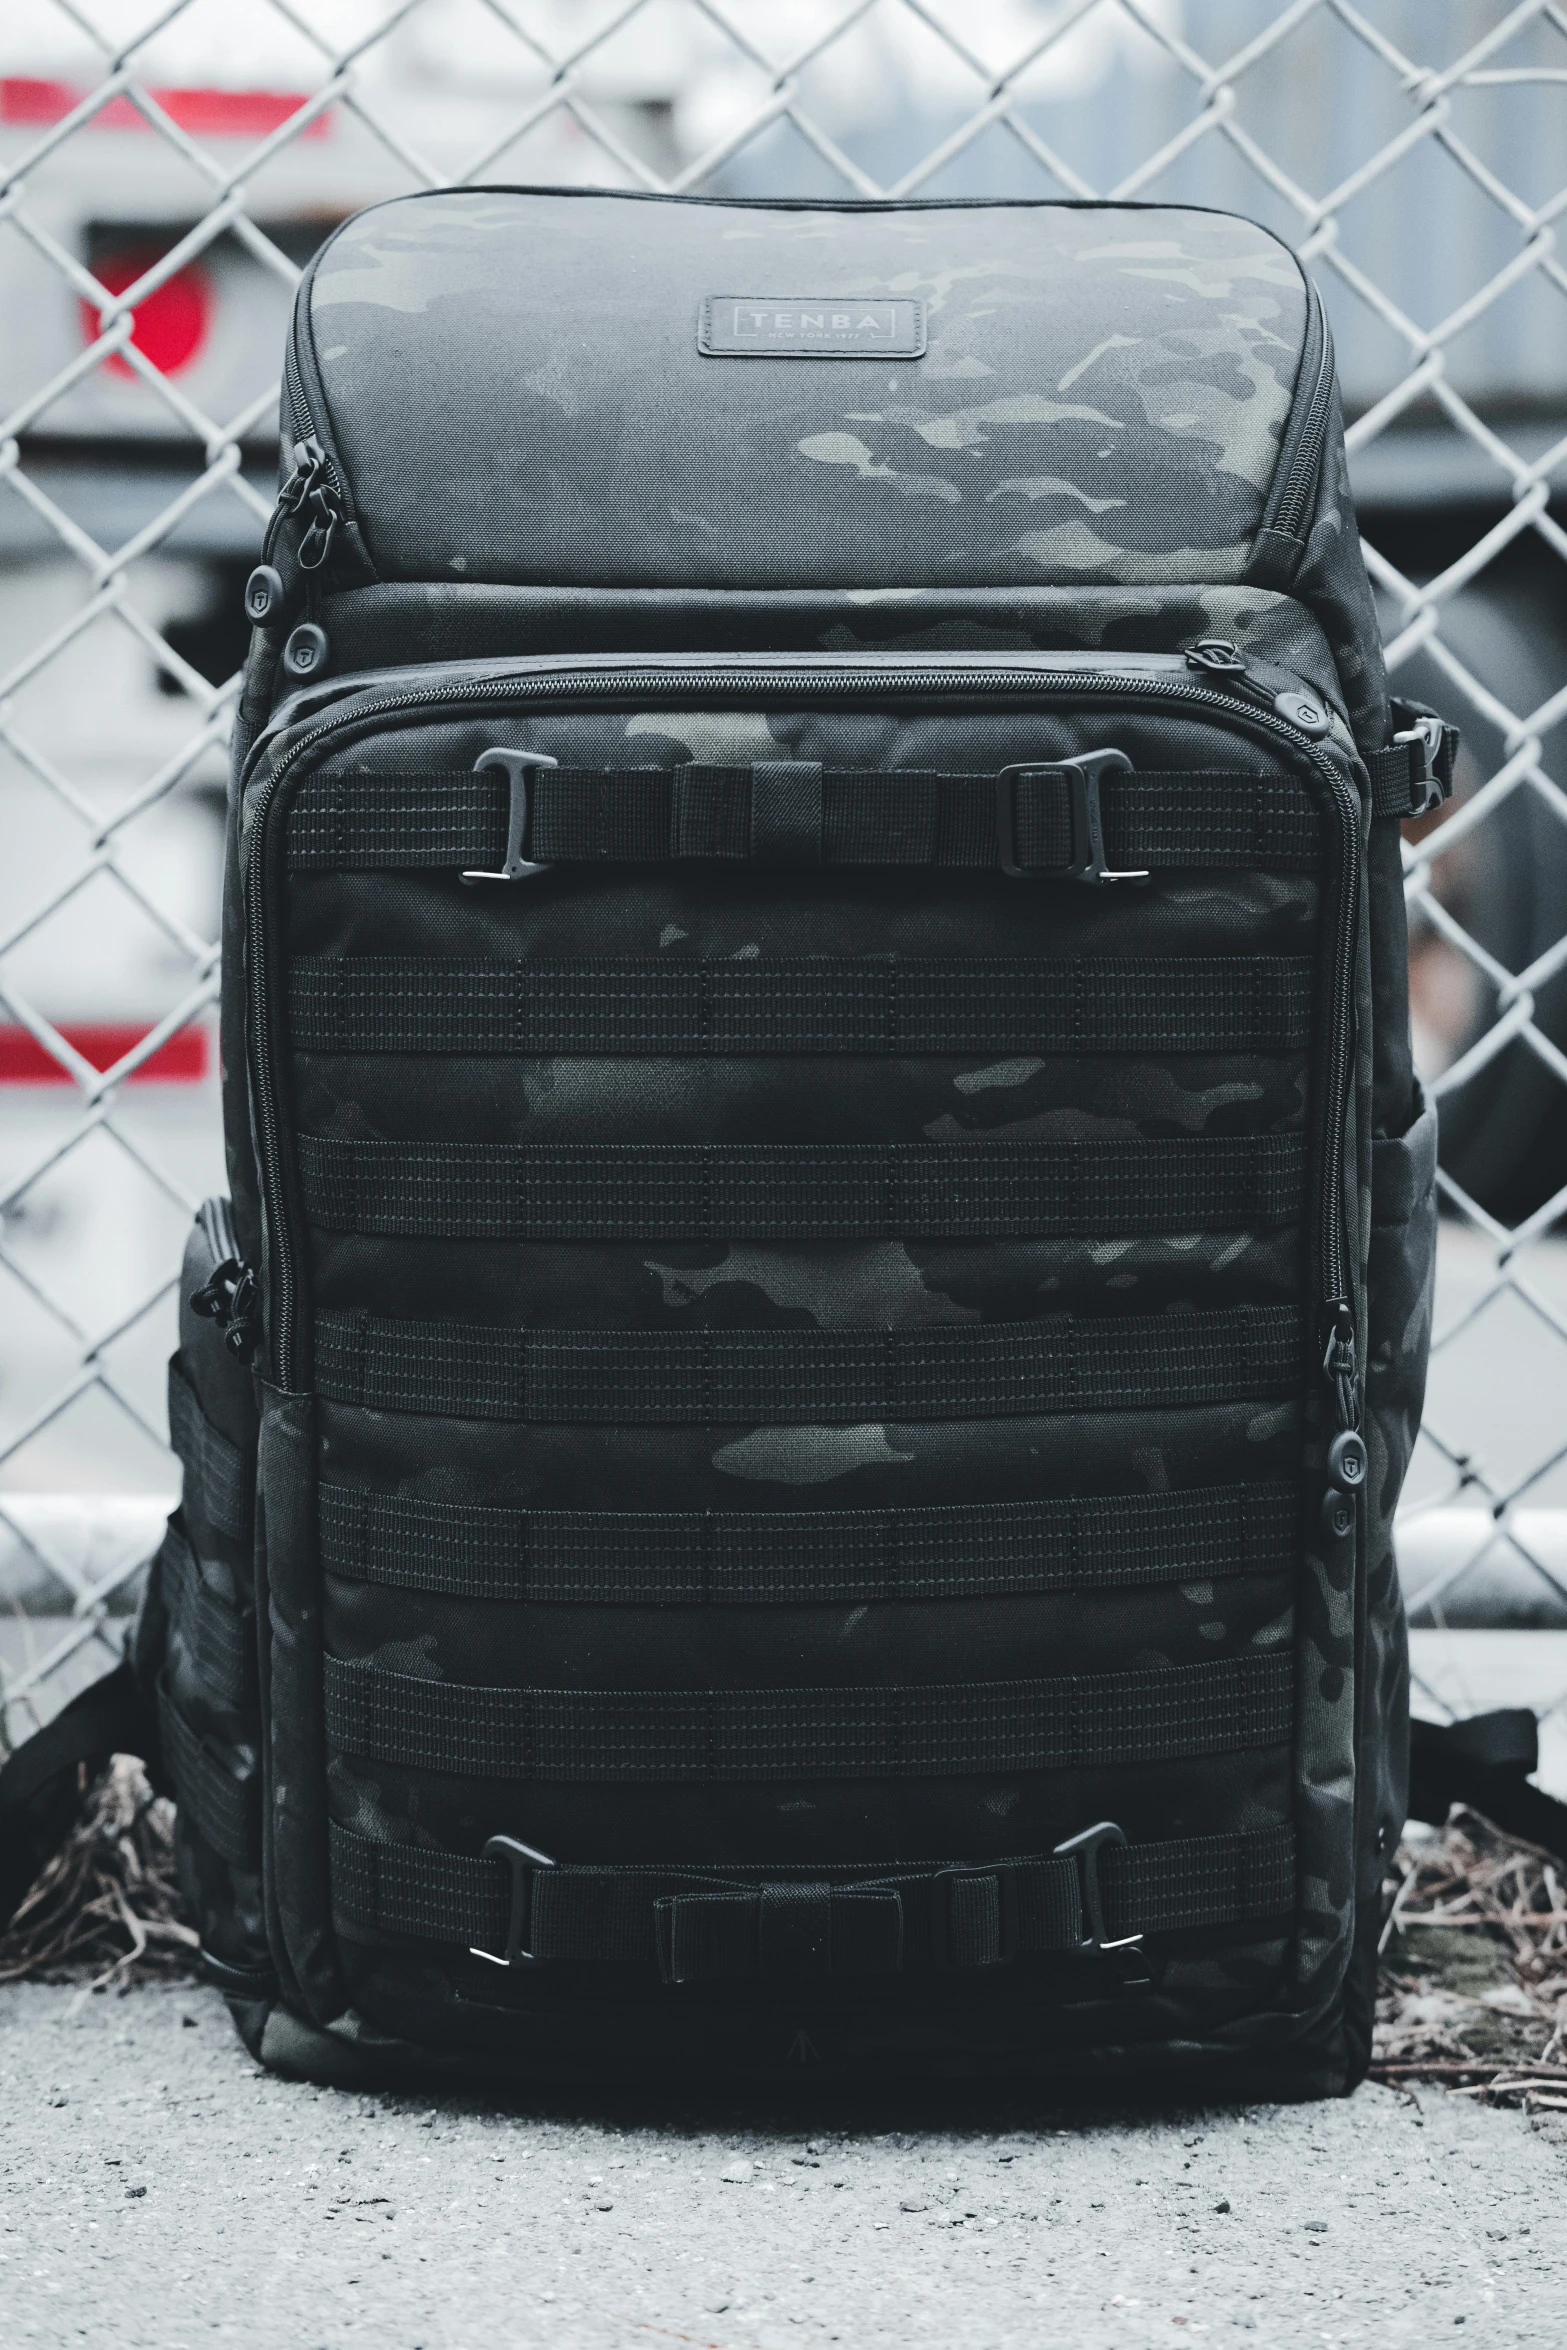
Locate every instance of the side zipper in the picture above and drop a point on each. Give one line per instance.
(1300, 459)
(1291, 718)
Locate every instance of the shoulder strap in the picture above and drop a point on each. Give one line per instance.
(40, 1790)
(1485, 1762)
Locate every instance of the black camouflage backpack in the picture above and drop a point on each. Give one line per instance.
(791, 1439)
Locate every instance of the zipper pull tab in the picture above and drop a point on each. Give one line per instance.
(232, 1300)
(325, 514)
(309, 464)
(1217, 657)
(1338, 1363)
(311, 489)
(1226, 664)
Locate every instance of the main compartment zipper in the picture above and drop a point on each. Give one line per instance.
(1232, 693)
(1301, 465)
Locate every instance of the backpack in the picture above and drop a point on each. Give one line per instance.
(791, 1438)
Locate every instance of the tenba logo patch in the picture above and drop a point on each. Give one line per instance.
(816, 326)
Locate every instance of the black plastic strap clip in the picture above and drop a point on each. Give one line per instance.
(1414, 775)
(1432, 782)
(1081, 776)
(1084, 1849)
(518, 766)
(522, 1860)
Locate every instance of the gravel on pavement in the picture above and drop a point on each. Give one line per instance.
(159, 2192)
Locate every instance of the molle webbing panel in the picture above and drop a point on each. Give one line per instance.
(220, 1641)
(978, 1004)
(223, 1805)
(623, 1736)
(346, 822)
(842, 1557)
(217, 1472)
(1056, 1363)
(802, 1191)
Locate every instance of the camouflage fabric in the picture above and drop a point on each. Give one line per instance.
(1100, 403)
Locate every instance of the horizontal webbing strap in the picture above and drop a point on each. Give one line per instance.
(620, 1736)
(217, 1476)
(218, 1640)
(1111, 1541)
(681, 1005)
(221, 1804)
(664, 1378)
(711, 1924)
(862, 816)
(979, 1189)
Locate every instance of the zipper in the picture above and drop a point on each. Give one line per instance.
(294, 386)
(1229, 689)
(314, 498)
(1302, 465)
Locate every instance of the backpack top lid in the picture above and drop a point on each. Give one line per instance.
(582, 389)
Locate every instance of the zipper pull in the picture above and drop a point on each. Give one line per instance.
(1338, 1364)
(1216, 657)
(310, 461)
(325, 515)
(232, 1299)
(311, 489)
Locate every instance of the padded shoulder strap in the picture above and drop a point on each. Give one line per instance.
(39, 1785)
(1485, 1762)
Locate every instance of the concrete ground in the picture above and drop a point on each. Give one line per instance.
(158, 2192)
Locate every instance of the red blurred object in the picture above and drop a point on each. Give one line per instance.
(215, 114)
(184, 1060)
(171, 324)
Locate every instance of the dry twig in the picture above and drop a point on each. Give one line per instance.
(107, 1905)
(1507, 1900)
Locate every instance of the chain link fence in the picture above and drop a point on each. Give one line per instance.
(165, 171)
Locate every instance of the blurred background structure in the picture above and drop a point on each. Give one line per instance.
(165, 172)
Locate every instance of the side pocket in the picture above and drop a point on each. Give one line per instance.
(203, 1589)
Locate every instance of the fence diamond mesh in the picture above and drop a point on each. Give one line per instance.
(165, 172)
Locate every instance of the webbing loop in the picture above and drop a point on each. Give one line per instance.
(685, 1004)
(794, 1377)
(978, 1189)
(626, 1737)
